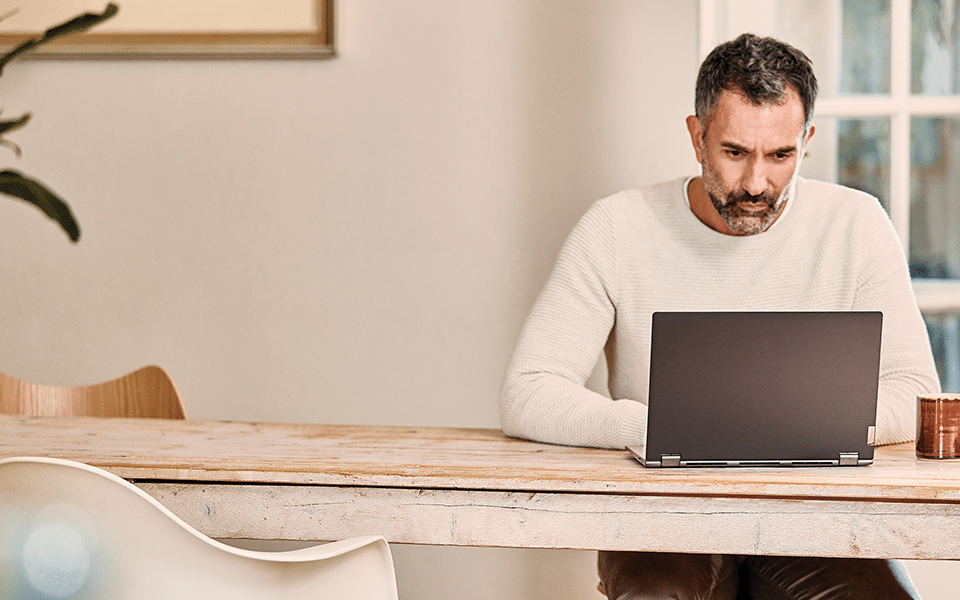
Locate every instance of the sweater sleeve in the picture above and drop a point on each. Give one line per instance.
(906, 362)
(543, 396)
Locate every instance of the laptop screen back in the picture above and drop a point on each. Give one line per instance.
(763, 388)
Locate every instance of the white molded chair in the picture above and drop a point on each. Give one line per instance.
(72, 531)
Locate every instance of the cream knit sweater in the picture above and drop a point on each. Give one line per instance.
(640, 251)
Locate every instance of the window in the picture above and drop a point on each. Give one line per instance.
(888, 122)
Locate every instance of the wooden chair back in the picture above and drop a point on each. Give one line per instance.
(148, 392)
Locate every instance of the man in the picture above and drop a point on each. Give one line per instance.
(748, 234)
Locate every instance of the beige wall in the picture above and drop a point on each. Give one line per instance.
(346, 241)
(351, 240)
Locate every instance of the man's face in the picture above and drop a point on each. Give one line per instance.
(750, 157)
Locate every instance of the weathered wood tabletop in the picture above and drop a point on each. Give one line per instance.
(477, 487)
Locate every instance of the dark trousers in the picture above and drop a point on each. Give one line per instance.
(655, 576)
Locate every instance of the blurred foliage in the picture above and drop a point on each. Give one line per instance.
(16, 184)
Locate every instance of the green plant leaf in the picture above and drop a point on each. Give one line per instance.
(74, 25)
(32, 191)
(7, 126)
(15, 184)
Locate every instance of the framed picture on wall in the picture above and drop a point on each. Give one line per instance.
(178, 28)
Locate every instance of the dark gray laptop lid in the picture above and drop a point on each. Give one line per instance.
(755, 388)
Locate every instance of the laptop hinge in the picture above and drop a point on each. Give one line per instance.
(669, 460)
(849, 459)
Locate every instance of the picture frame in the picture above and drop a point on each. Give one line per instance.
(146, 29)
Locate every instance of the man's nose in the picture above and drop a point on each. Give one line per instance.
(755, 177)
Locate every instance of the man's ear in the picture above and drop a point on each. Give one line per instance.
(813, 128)
(696, 136)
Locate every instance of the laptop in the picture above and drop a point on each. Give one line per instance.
(762, 389)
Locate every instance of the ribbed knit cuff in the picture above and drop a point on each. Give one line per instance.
(633, 422)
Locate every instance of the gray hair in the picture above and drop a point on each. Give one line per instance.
(762, 69)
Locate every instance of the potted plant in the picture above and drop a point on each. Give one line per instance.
(13, 183)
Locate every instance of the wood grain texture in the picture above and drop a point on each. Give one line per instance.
(147, 392)
(772, 526)
(435, 457)
(478, 487)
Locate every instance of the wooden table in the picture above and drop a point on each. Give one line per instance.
(476, 487)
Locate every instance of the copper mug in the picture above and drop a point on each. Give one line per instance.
(938, 426)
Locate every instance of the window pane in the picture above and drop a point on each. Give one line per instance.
(934, 47)
(847, 40)
(863, 156)
(944, 332)
(865, 47)
(852, 152)
(813, 27)
(934, 211)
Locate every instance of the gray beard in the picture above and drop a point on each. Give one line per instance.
(744, 222)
